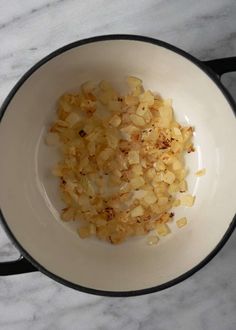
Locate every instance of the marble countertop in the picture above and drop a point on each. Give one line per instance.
(29, 30)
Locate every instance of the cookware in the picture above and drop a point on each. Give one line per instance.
(28, 193)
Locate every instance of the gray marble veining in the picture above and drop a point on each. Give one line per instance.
(31, 29)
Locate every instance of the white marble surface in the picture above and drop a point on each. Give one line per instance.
(29, 30)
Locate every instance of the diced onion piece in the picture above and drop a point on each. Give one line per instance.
(201, 172)
(92, 229)
(139, 194)
(176, 146)
(147, 97)
(187, 200)
(157, 179)
(91, 148)
(181, 222)
(57, 170)
(137, 212)
(112, 141)
(152, 240)
(52, 139)
(176, 165)
(150, 198)
(115, 121)
(106, 154)
(150, 173)
(142, 109)
(134, 82)
(137, 120)
(166, 158)
(137, 182)
(105, 85)
(148, 117)
(173, 188)
(61, 123)
(159, 165)
(169, 177)
(166, 114)
(143, 163)
(114, 106)
(133, 157)
(131, 100)
(87, 87)
(100, 221)
(176, 131)
(84, 232)
(72, 119)
(162, 200)
(127, 132)
(117, 173)
(181, 174)
(67, 214)
(106, 96)
(155, 208)
(162, 229)
(176, 203)
(164, 218)
(167, 102)
(183, 186)
(137, 91)
(137, 169)
(124, 187)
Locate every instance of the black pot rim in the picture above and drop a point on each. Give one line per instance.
(10, 96)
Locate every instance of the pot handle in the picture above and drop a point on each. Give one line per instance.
(18, 266)
(222, 65)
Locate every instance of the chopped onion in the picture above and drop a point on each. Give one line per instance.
(187, 200)
(121, 165)
(181, 222)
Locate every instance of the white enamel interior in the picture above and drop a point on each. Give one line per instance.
(28, 193)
